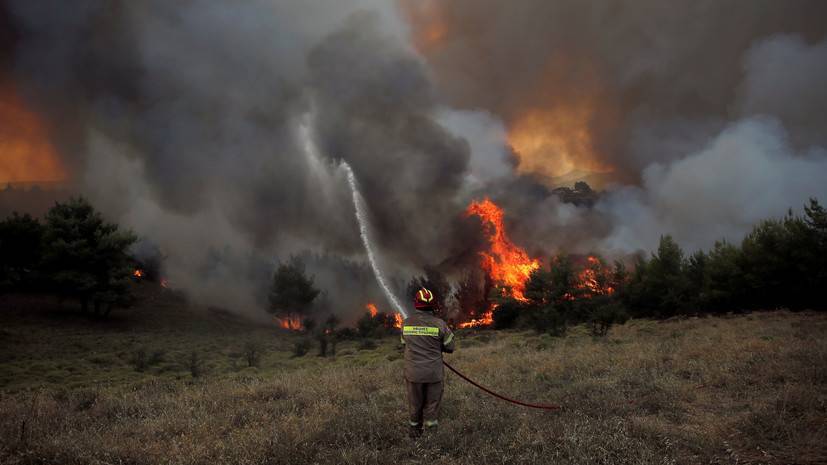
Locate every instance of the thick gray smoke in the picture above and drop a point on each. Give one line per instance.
(184, 121)
(712, 114)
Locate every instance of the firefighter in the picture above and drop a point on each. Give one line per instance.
(425, 337)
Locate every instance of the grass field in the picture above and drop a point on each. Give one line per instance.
(742, 389)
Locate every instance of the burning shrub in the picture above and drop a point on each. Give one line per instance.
(327, 335)
(292, 293)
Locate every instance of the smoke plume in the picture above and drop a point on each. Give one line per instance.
(192, 122)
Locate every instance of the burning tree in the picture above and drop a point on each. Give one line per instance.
(470, 296)
(292, 294)
(86, 258)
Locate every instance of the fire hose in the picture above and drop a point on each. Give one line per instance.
(500, 396)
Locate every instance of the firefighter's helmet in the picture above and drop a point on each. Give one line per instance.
(424, 299)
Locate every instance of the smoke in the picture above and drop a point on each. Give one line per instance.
(613, 84)
(747, 173)
(700, 118)
(192, 122)
(183, 121)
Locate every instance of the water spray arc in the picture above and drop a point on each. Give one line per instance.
(359, 206)
(315, 161)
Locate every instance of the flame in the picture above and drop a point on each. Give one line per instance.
(592, 280)
(505, 263)
(487, 319)
(26, 154)
(398, 321)
(291, 322)
(550, 120)
(138, 273)
(372, 309)
(555, 142)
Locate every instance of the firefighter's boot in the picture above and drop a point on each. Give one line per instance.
(415, 431)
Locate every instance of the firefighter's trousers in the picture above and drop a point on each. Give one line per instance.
(423, 403)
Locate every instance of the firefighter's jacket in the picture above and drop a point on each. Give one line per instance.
(425, 338)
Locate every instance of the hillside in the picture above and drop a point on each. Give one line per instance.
(739, 389)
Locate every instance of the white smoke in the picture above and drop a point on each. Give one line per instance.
(748, 173)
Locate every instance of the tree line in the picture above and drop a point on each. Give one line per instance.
(781, 263)
(73, 253)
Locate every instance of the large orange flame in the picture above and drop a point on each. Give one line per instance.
(371, 308)
(505, 263)
(550, 126)
(26, 154)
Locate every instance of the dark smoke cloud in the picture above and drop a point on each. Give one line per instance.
(215, 129)
(712, 113)
(184, 120)
(663, 75)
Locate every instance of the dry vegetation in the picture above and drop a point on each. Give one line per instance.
(745, 389)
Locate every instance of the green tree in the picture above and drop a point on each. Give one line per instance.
(86, 257)
(697, 278)
(21, 239)
(722, 285)
(292, 292)
(550, 295)
(816, 258)
(666, 284)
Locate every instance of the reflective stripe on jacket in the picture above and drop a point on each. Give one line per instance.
(425, 337)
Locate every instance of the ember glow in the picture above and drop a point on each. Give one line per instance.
(487, 319)
(26, 154)
(554, 142)
(292, 323)
(138, 273)
(504, 262)
(429, 26)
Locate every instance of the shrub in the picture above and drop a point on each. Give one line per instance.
(195, 364)
(139, 360)
(604, 313)
(252, 353)
(301, 347)
(292, 292)
(367, 344)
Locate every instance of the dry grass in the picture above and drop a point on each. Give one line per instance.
(748, 389)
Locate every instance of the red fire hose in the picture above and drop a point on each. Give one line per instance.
(500, 396)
